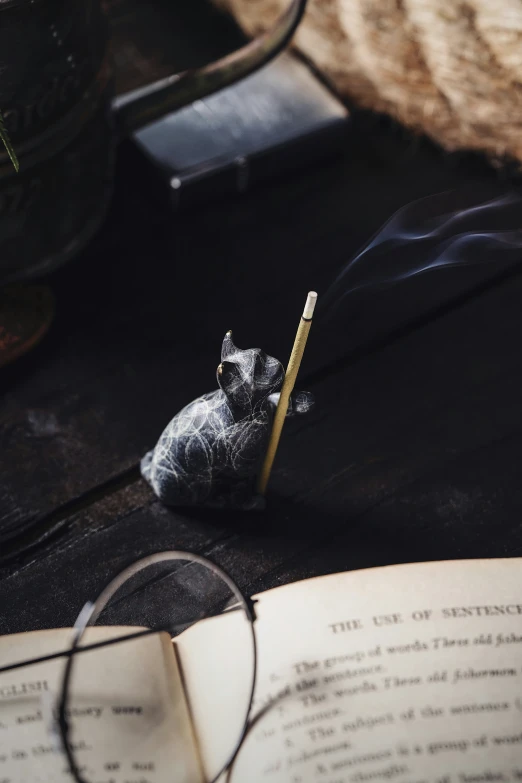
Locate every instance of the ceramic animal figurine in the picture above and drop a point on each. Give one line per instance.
(211, 452)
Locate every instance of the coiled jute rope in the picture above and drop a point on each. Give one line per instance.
(450, 69)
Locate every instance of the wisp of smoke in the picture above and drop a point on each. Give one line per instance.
(425, 236)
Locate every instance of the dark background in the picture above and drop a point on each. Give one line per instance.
(414, 451)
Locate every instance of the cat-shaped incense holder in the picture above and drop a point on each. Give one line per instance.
(211, 452)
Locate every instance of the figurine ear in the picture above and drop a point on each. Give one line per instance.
(228, 347)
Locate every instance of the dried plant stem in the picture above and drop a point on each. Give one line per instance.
(4, 138)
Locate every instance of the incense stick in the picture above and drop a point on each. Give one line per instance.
(288, 385)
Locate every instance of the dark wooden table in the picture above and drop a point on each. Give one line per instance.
(414, 451)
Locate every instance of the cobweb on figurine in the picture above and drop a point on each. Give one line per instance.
(218, 451)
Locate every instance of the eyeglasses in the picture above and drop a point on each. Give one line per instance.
(156, 682)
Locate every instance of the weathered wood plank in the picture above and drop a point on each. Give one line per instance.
(414, 454)
(141, 317)
(50, 590)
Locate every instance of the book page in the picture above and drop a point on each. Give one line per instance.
(128, 715)
(406, 673)
(217, 662)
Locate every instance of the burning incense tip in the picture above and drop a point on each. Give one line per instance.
(309, 308)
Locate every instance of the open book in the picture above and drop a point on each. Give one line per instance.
(406, 673)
